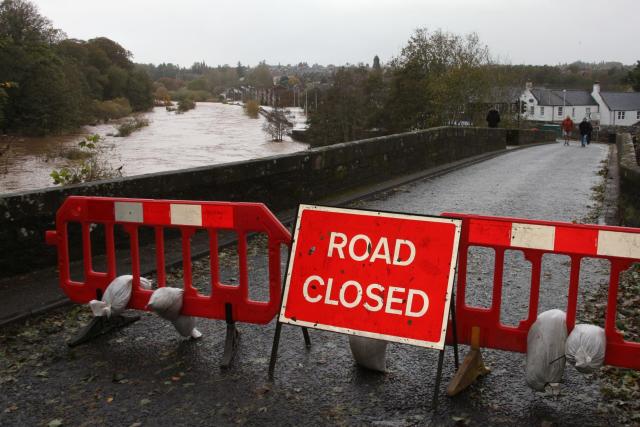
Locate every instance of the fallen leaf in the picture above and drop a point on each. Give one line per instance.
(109, 399)
(55, 423)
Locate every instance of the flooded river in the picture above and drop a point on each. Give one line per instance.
(213, 133)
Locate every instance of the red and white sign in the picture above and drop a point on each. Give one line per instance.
(374, 274)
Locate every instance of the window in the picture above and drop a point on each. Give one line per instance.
(560, 111)
(638, 115)
(621, 115)
(542, 111)
(531, 110)
(588, 110)
(573, 112)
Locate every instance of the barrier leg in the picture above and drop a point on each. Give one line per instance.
(307, 338)
(472, 366)
(232, 339)
(100, 326)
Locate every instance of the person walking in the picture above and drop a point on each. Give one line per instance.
(567, 128)
(585, 129)
(493, 118)
(589, 132)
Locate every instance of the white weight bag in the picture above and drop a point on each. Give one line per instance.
(545, 349)
(585, 347)
(116, 296)
(369, 353)
(166, 302)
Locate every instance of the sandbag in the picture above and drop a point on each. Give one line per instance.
(545, 349)
(369, 353)
(186, 326)
(116, 296)
(167, 302)
(585, 347)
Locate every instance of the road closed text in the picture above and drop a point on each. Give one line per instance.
(374, 297)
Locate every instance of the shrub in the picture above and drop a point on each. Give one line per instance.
(128, 127)
(252, 108)
(186, 104)
(112, 109)
(89, 168)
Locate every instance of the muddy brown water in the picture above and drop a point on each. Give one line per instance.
(213, 133)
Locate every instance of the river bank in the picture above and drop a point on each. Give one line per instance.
(213, 133)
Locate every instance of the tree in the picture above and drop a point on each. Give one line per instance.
(21, 23)
(140, 90)
(634, 77)
(115, 53)
(260, 76)
(60, 84)
(117, 79)
(276, 124)
(240, 69)
(376, 63)
(435, 77)
(343, 111)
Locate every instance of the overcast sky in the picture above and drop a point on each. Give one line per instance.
(340, 31)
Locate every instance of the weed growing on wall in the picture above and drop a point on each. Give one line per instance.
(88, 166)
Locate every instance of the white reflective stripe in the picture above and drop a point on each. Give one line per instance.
(128, 212)
(533, 236)
(186, 215)
(616, 243)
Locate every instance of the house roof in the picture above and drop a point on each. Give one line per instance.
(622, 101)
(557, 97)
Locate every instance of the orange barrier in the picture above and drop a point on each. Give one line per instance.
(187, 217)
(620, 246)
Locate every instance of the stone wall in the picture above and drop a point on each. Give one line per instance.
(281, 182)
(525, 136)
(629, 181)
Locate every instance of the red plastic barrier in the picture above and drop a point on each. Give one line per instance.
(187, 216)
(621, 246)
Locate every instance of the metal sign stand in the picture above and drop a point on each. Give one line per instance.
(305, 332)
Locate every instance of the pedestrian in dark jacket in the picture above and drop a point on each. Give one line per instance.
(493, 118)
(585, 129)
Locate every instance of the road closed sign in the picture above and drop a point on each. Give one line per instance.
(374, 274)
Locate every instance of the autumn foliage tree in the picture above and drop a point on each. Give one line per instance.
(59, 82)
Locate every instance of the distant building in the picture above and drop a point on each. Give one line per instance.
(605, 108)
(617, 108)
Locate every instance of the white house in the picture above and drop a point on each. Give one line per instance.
(605, 108)
(617, 108)
(553, 105)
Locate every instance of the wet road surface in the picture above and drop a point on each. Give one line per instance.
(147, 375)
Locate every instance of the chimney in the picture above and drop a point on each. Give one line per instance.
(529, 85)
(596, 87)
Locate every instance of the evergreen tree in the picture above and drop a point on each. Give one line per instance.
(376, 63)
